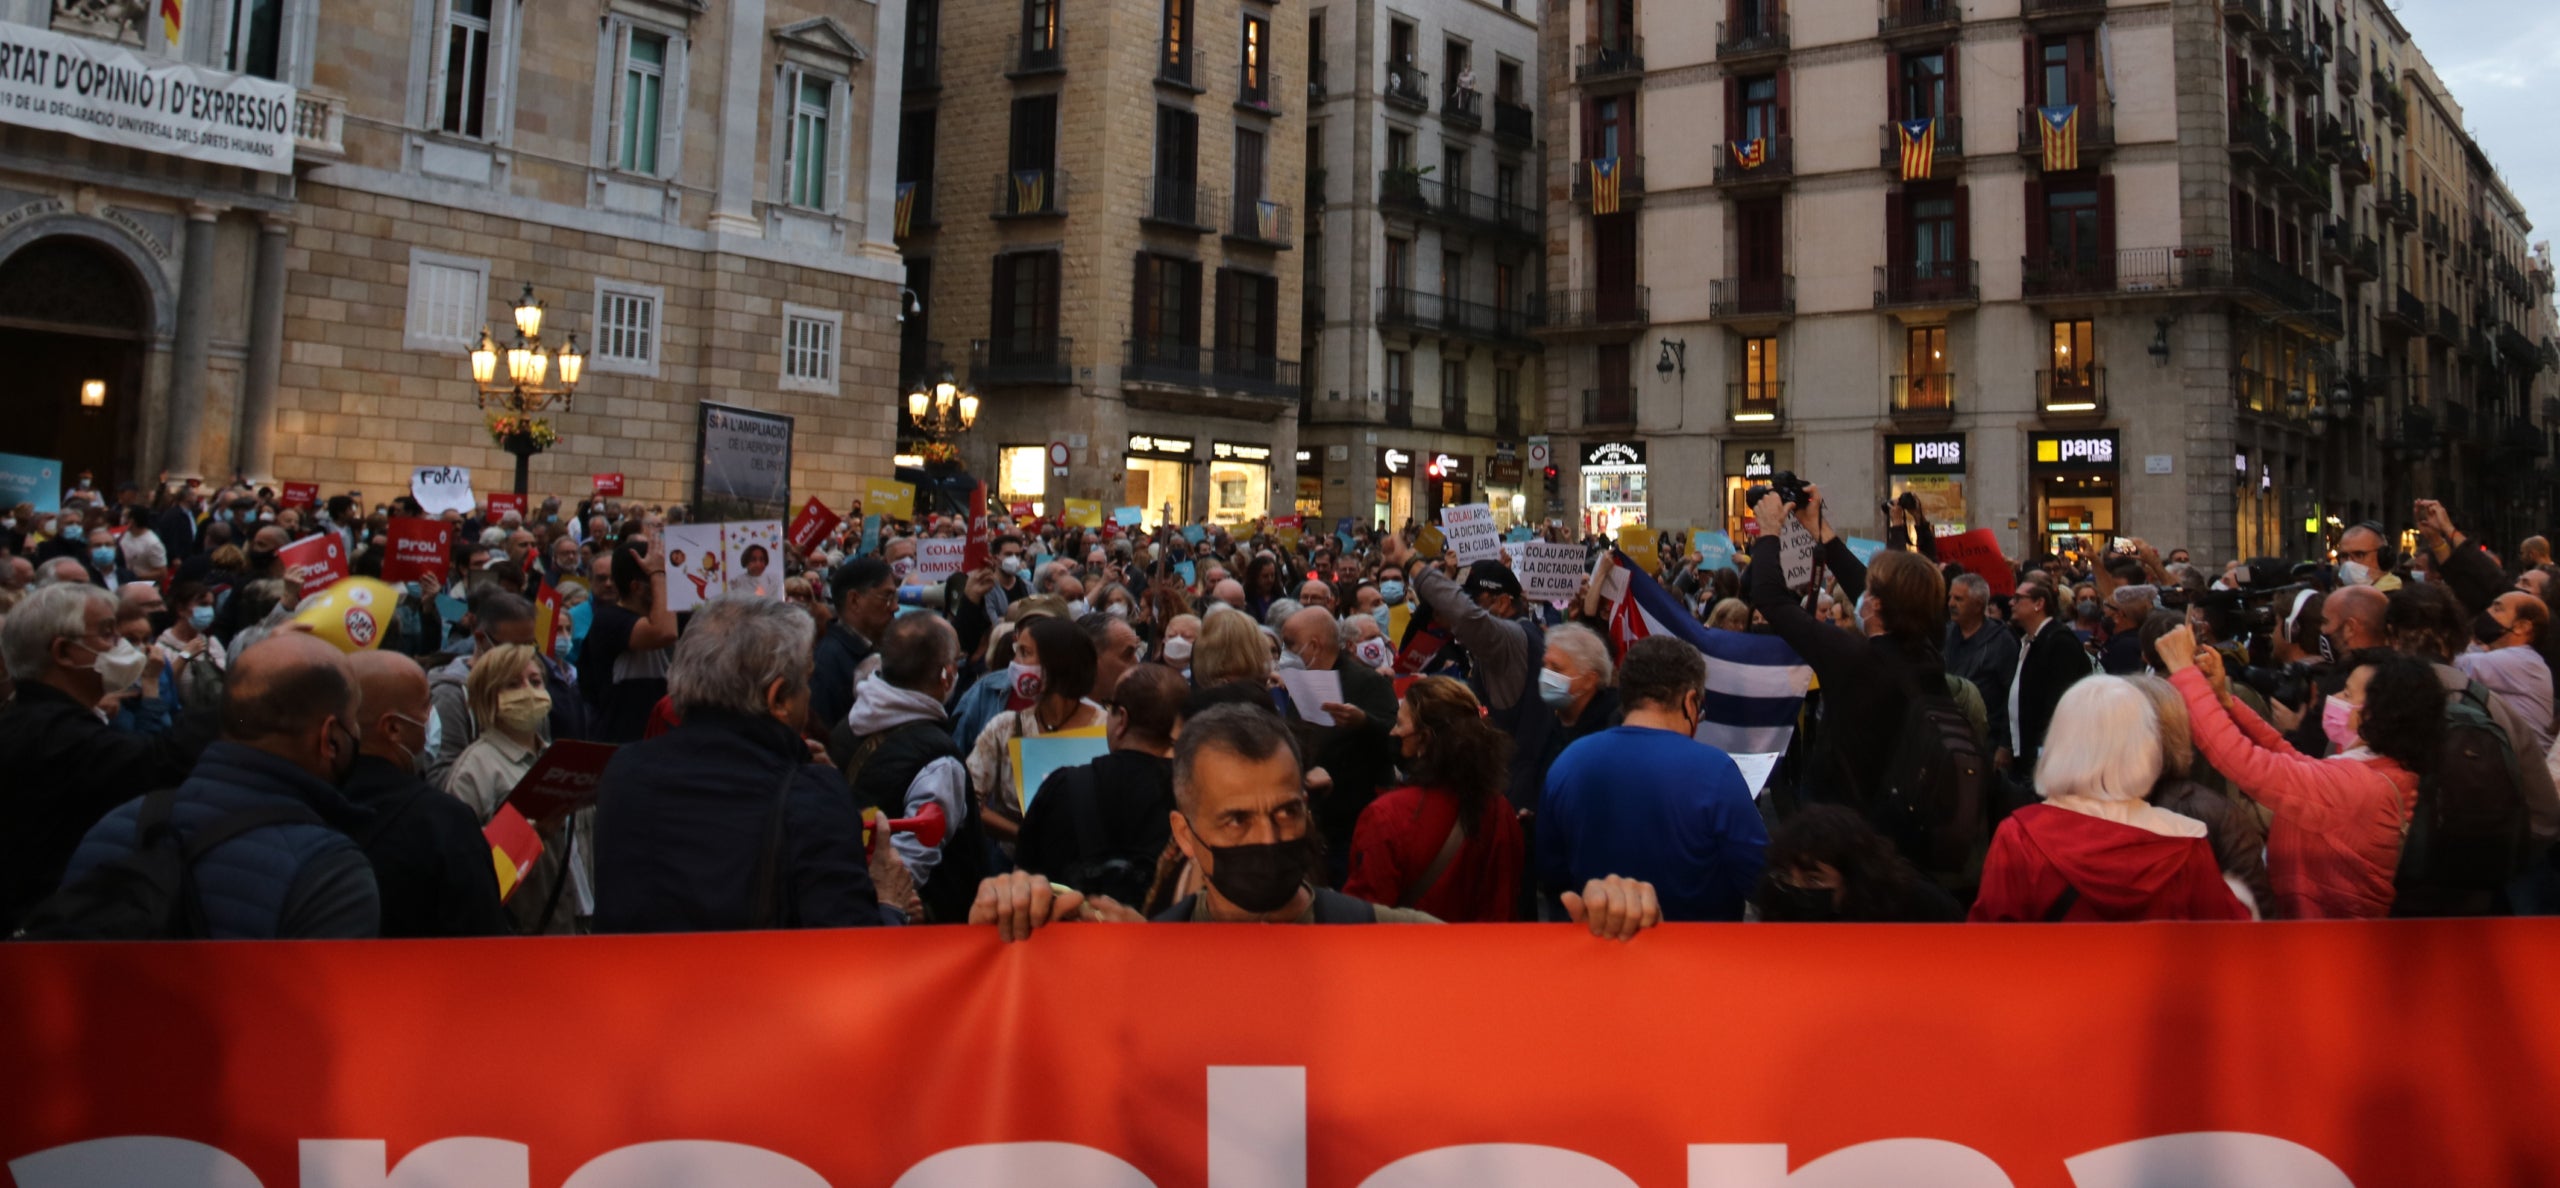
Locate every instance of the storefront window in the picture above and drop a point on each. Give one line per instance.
(1393, 504)
(1745, 468)
(1158, 479)
(2073, 478)
(1239, 482)
(1613, 486)
(1931, 469)
(1022, 476)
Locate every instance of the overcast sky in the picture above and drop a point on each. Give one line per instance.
(2501, 58)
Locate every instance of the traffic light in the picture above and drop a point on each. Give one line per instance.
(1551, 483)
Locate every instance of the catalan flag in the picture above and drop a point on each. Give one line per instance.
(1604, 185)
(172, 21)
(2061, 128)
(1919, 147)
(906, 207)
(1750, 154)
(1266, 221)
(1030, 190)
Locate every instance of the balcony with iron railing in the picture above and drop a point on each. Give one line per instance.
(2401, 208)
(2293, 49)
(1254, 374)
(1756, 405)
(1181, 204)
(2096, 128)
(2284, 291)
(2447, 328)
(1629, 177)
(1751, 297)
(1399, 407)
(1408, 87)
(1918, 18)
(2255, 138)
(2072, 391)
(1624, 307)
(2039, 12)
(1258, 88)
(1453, 411)
(1594, 60)
(1924, 397)
(1506, 417)
(1462, 109)
(2350, 69)
(2245, 16)
(1031, 193)
(1408, 192)
(2404, 315)
(2355, 162)
(1037, 51)
(1775, 164)
(1260, 222)
(1608, 406)
(1437, 313)
(2131, 272)
(1948, 136)
(2364, 259)
(922, 216)
(1514, 122)
(1938, 284)
(1164, 361)
(1046, 359)
(1764, 36)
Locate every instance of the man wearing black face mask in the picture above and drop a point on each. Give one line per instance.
(288, 742)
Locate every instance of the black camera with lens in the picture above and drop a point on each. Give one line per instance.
(1788, 487)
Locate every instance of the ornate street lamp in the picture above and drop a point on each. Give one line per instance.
(534, 377)
(942, 410)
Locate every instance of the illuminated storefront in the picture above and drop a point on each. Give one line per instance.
(1932, 468)
(1613, 486)
(1502, 479)
(1239, 482)
(1310, 486)
(2074, 482)
(1159, 478)
(1022, 476)
(1394, 503)
(1745, 468)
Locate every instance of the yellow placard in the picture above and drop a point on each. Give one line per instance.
(1642, 546)
(1430, 544)
(889, 497)
(1398, 616)
(1084, 513)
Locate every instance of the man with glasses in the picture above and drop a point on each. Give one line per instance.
(866, 599)
(2050, 661)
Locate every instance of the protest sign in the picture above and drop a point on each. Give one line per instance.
(36, 481)
(419, 548)
(562, 781)
(440, 489)
(1310, 690)
(299, 495)
(1194, 533)
(350, 614)
(697, 571)
(1288, 528)
(551, 629)
(1517, 534)
(1429, 543)
(813, 524)
(1714, 549)
(1084, 513)
(1129, 517)
(608, 486)
(939, 557)
(870, 536)
(1472, 536)
(1795, 553)
(1863, 549)
(315, 560)
(982, 530)
(889, 497)
(1978, 552)
(1547, 571)
(1189, 570)
(754, 552)
(503, 502)
(1036, 756)
(1640, 545)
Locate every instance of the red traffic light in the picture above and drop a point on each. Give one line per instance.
(1551, 474)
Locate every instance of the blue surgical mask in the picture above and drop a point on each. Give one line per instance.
(1555, 688)
(1392, 591)
(435, 732)
(104, 556)
(73, 531)
(202, 617)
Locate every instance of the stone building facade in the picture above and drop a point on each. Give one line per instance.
(693, 193)
(1102, 228)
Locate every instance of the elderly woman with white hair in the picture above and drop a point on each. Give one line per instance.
(2095, 849)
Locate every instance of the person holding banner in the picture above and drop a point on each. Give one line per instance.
(1501, 647)
(1447, 843)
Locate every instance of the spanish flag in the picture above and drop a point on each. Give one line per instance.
(172, 20)
(513, 847)
(1604, 185)
(2061, 127)
(1750, 154)
(1919, 147)
(1030, 190)
(906, 207)
(550, 621)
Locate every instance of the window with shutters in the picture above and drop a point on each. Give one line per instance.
(641, 100)
(1031, 184)
(1932, 232)
(2070, 215)
(1925, 92)
(1762, 385)
(809, 345)
(918, 131)
(1024, 320)
(1248, 326)
(1759, 109)
(1175, 63)
(257, 39)
(463, 82)
(1165, 323)
(644, 82)
(1924, 363)
(625, 337)
(2060, 71)
(1608, 127)
(448, 301)
(2074, 365)
(1177, 178)
(810, 145)
(1253, 86)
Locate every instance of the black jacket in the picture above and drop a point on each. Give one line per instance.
(840, 651)
(1865, 680)
(65, 770)
(1359, 761)
(682, 823)
(176, 528)
(2475, 580)
(430, 861)
(2048, 664)
(1099, 828)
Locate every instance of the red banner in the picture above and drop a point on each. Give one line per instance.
(982, 531)
(2414, 1053)
(562, 781)
(315, 560)
(418, 548)
(1978, 552)
(502, 502)
(299, 495)
(812, 525)
(609, 485)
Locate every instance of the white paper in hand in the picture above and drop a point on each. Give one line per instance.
(1795, 553)
(1755, 771)
(441, 489)
(1310, 690)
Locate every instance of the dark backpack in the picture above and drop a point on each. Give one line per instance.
(148, 893)
(2470, 830)
(1936, 783)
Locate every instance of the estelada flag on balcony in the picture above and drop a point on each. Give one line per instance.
(1750, 154)
(1030, 189)
(906, 207)
(1919, 147)
(1266, 221)
(1604, 185)
(2061, 128)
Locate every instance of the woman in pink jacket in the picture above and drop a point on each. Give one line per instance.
(2335, 840)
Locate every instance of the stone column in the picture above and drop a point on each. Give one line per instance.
(257, 448)
(888, 88)
(733, 210)
(185, 455)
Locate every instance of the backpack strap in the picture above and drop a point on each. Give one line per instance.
(768, 909)
(2063, 903)
(1449, 847)
(1334, 907)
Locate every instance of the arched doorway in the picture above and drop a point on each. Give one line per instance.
(72, 311)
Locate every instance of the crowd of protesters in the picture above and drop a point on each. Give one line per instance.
(2111, 736)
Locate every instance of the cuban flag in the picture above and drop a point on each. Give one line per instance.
(1755, 683)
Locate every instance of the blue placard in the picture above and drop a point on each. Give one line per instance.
(1194, 533)
(1129, 517)
(30, 480)
(1344, 527)
(1345, 539)
(1714, 548)
(1862, 549)
(1517, 535)
(1190, 572)
(870, 536)
(1042, 756)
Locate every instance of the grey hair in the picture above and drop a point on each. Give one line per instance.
(50, 573)
(1971, 583)
(1584, 645)
(735, 649)
(59, 611)
(1248, 732)
(1280, 610)
(1347, 629)
(2129, 597)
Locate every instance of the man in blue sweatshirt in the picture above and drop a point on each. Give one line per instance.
(1648, 801)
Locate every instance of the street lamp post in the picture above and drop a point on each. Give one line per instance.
(941, 411)
(534, 378)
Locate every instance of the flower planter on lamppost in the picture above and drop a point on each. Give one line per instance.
(534, 378)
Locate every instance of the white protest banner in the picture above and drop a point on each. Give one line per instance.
(754, 553)
(938, 557)
(1795, 552)
(107, 93)
(697, 570)
(1547, 570)
(441, 489)
(1471, 534)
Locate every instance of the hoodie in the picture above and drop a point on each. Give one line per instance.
(2162, 869)
(879, 706)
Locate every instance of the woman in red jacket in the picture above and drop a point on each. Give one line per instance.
(2095, 850)
(1448, 843)
(2334, 842)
